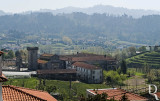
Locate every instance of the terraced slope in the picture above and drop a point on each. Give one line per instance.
(150, 58)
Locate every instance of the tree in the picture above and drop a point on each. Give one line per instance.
(51, 88)
(142, 49)
(132, 51)
(123, 67)
(4, 56)
(124, 98)
(97, 97)
(113, 78)
(11, 54)
(17, 53)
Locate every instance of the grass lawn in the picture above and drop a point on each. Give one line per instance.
(62, 86)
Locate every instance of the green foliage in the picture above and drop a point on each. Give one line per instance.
(113, 78)
(9, 55)
(132, 51)
(80, 25)
(50, 88)
(147, 59)
(124, 98)
(98, 97)
(142, 49)
(131, 73)
(56, 86)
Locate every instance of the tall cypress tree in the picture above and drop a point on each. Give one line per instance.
(123, 67)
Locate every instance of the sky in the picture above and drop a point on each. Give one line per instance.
(17, 6)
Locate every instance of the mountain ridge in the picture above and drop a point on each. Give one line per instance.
(100, 9)
(106, 9)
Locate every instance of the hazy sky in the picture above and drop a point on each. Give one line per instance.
(25, 5)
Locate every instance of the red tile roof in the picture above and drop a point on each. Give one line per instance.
(64, 58)
(41, 61)
(92, 58)
(48, 55)
(3, 78)
(56, 71)
(1, 53)
(13, 93)
(158, 94)
(118, 93)
(81, 55)
(86, 57)
(85, 65)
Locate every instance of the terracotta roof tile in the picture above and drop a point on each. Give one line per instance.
(64, 58)
(3, 78)
(85, 65)
(81, 55)
(41, 61)
(92, 58)
(1, 53)
(118, 93)
(48, 55)
(158, 94)
(13, 93)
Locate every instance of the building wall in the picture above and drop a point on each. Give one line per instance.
(89, 75)
(32, 59)
(60, 76)
(147, 48)
(53, 63)
(107, 65)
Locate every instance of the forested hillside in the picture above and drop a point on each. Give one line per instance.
(145, 30)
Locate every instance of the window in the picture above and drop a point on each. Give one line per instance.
(93, 72)
(93, 77)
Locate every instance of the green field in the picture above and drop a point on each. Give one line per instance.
(150, 58)
(63, 87)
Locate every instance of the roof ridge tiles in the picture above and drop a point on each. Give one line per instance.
(28, 88)
(15, 88)
(85, 65)
(131, 93)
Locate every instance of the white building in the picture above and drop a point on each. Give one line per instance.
(152, 48)
(88, 73)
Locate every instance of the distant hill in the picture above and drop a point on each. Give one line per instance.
(2, 13)
(144, 30)
(100, 9)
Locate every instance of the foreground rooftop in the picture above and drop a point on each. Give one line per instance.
(13, 93)
(117, 94)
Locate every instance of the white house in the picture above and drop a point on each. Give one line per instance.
(88, 73)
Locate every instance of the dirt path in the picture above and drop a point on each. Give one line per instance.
(136, 84)
(136, 81)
